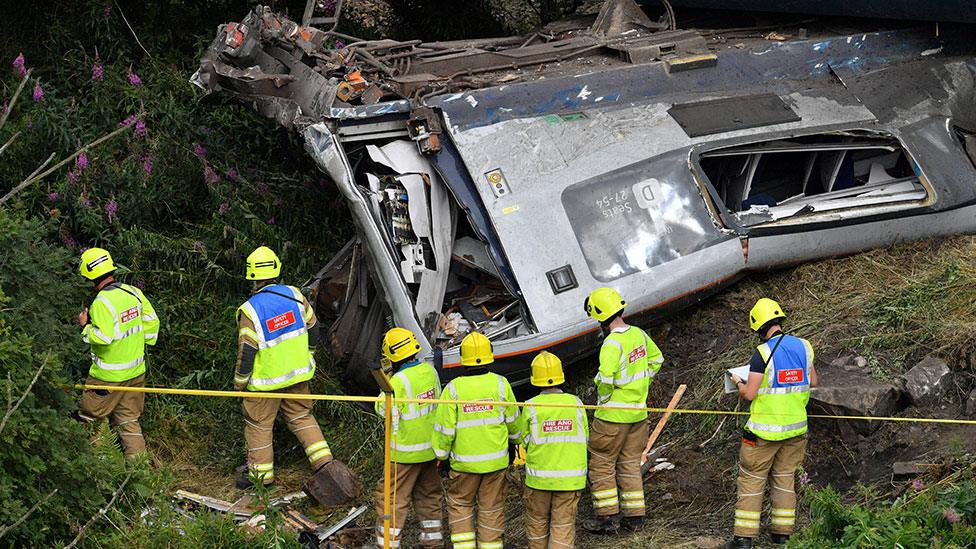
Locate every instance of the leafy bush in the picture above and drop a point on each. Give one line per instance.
(943, 515)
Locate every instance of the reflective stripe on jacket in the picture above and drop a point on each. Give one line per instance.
(629, 360)
(476, 436)
(555, 443)
(779, 410)
(281, 332)
(413, 423)
(121, 323)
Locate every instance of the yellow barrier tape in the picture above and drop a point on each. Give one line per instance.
(347, 398)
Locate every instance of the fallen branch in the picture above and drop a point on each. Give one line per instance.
(134, 35)
(32, 178)
(101, 513)
(13, 408)
(13, 101)
(29, 512)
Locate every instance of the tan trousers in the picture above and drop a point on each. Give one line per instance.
(122, 409)
(259, 418)
(489, 490)
(615, 451)
(550, 518)
(420, 484)
(756, 461)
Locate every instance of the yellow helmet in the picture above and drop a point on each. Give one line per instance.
(603, 303)
(476, 350)
(400, 344)
(95, 262)
(263, 264)
(763, 311)
(547, 370)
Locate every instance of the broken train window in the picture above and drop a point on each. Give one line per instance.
(795, 177)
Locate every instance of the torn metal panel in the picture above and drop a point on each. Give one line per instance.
(732, 113)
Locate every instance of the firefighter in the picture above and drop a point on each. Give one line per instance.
(555, 462)
(781, 374)
(118, 325)
(414, 471)
(475, 438)
(629, 360)
(277, 334)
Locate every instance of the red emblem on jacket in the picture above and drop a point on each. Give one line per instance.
(790, 376)
(557, 426)
(129, 314)
(637, 354)
(281, 321)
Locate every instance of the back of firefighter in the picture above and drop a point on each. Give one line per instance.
(277, 334)
(475, 439)
(781, 374)
(555, 460)
(414, 470)
(629, 360)
(118, 326)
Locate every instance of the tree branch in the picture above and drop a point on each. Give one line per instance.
(9, 141)
(10, 108)
(28, 513)
(101, 513)
(32, 178)
(12, 409)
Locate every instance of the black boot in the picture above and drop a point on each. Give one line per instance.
(738, 542)
(602, 525)
(632, 524)
(779, 539)
(243, 482)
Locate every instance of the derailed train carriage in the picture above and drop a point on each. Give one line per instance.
(494, 183)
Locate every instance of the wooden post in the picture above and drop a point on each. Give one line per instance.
(664, 419)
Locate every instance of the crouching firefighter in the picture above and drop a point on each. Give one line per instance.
(475, 437)
(780, 377)
(118, 326)
(629, 360)
(555, 461)
(414, 470)
(277, 334)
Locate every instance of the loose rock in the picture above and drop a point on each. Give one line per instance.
(846, 390)
(971, 404)
(926, 382)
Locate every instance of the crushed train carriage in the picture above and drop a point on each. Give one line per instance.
(494, 183)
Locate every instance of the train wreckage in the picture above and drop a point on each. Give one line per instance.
(494, 182)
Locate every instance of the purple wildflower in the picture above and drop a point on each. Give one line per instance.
(140, 129)
(147, 165)
(223, 208)
(133, 77)
(38, 94)
(98, 72)
(199, 151)
(918, 485)
(952, 516)
(804, 479)
(328, 7)
(198, 245)
(19, 65)
(68, 241)
(262, 188)
(232, 174)
(84, 201)
(128, 120)
(111, 209)
(210, 176)
(339, 44)
(81, 162)
(271, 220)
(73, 176)
(107, 12)
(53, 195)
(140, 283)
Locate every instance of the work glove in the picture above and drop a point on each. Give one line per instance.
(443, 467)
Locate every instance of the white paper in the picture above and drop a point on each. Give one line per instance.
(741, 371)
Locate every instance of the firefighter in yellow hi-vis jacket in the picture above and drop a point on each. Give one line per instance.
(781, 374)
(414, 470)
(118, 326)
(277, 335)
(629, 360)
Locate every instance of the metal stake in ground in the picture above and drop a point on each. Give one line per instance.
(660, 425)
